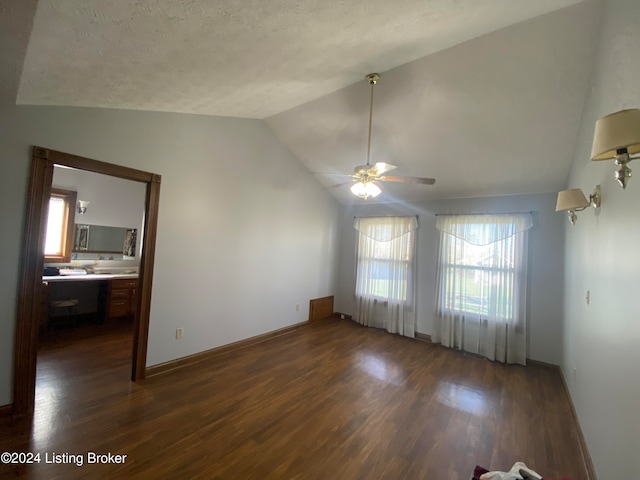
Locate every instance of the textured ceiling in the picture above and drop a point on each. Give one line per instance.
(244, 58)
(484, 95)
(497, 115)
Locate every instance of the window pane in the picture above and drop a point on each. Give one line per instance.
(55, 225)
(384, 266)
(384, 279)
(479, 278)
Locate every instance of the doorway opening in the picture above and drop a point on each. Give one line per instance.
(31, 285)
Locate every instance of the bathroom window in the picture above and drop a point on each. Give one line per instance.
(60, 224)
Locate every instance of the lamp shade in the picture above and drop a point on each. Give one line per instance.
(571, 200)
(615, 131)
(82, 206)
(365, 190)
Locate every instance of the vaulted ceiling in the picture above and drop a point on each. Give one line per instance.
(484, 95)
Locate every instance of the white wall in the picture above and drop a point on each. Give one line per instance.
(115, 202)
(601, 340)
(244, 232)
(546, 248)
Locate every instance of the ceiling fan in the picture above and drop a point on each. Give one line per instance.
(367, 175)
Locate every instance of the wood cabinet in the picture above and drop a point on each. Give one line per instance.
(121, 300)
(320, 308)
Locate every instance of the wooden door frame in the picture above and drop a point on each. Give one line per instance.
(30, 288)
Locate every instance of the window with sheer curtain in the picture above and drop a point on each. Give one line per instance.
(384, 273)
(481, 297)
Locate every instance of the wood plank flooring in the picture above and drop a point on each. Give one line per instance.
(330, 401)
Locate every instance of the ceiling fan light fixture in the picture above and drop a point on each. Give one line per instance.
(365, 190)
(366, 174)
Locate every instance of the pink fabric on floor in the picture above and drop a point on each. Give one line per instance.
(478, 471)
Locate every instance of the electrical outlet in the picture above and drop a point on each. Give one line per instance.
(179, 333)
(342, 316)
(588, 297)
(297, 307)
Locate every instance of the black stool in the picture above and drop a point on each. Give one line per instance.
(70, 318)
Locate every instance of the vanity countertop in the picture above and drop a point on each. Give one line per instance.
(89, 276)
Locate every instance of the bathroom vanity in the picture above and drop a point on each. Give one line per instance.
(107, 296)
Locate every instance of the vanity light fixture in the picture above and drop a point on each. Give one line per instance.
(617, 137)
(574, 201)
(82, 206)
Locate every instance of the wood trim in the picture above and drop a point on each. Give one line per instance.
(214, 352)
(88, 164)
(582, 443)
(145, 282)
(531, 361)
(6, 410)
(30, 286)
(423, 337)
(24, 380)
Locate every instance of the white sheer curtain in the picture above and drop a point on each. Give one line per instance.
(385, 271)
(481, 290)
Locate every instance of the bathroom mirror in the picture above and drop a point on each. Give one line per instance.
(100, 242)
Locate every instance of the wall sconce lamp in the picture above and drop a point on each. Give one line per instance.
(574, 201)
(82, 206)
(617, 136)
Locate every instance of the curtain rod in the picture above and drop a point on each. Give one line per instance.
(486, 213)
(386, 216)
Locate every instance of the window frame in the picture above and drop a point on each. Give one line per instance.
(450, 267)
(70, 198)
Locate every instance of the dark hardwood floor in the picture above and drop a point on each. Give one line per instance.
(330, 401)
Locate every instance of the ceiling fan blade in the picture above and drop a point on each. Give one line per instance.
(381, 168)
(338, 185)
(335, 174)
(420, 180)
